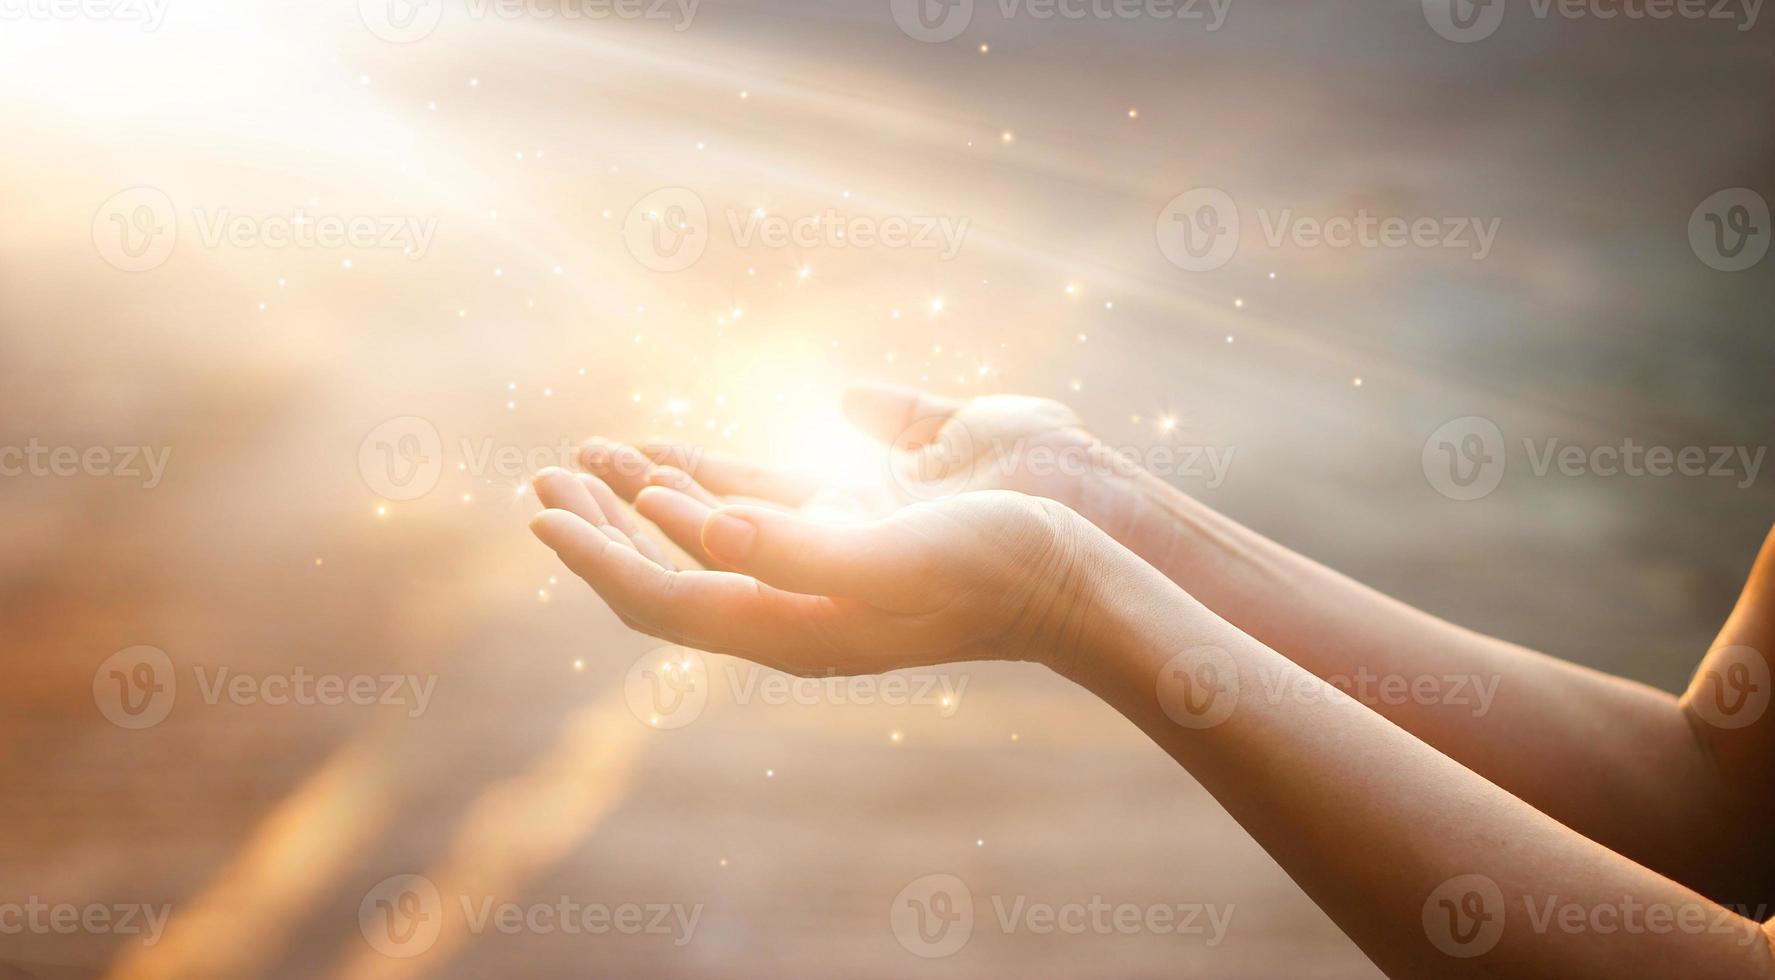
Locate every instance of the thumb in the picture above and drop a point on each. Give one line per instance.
(904, 418)
(798, 555)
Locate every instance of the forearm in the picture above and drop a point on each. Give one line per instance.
(1522, 720)
(1372, 822)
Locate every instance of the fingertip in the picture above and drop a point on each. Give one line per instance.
(556, 528)
(728, 535)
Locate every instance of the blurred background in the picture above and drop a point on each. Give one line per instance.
(351, 271)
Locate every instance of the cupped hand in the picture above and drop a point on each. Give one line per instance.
(980, 576)
(935, 447)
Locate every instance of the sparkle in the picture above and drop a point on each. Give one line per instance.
(345, 263)
(724, 862)
(1229, 338)
(894, 736)
(542, 595)
(1167, 423)
(744, 95)
(1016, 737)
(937, 305)
(381, 511)
(1076, 385)
(980, 842)
(1007, 136)
(1072, 289)
(579, 665)
(1357, 382)
(984, 48)
(770, 774)
(1133, 113)
(474, 83)
(1239, 304)
(318, 562)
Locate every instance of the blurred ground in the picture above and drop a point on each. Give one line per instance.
(528, 322)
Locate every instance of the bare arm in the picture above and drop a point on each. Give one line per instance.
(1429, 867)
(1620, 762)
(1432, 869)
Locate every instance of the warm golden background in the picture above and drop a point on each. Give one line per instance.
(528, 322)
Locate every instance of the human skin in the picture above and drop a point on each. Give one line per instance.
(1633, 768)
(1373, 821)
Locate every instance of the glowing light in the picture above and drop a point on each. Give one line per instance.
(937, 305)
(1357, 382)
(984, 48)
(1072, 289)
(1239, 303)
(1133, 113)
(1167, 424)
(579, 665)
(894, 736)
(1007, 136)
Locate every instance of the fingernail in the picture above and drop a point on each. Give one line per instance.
(728, 537)
(668, 476)
(595, 455)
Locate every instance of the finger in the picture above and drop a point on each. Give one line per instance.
(680, 517)
(901, 417)
(717, 611)
(615, 511)
(674, 478)
(621, 466)
(558, 488)
(799, 555)
(623, 523)
(730, 477)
